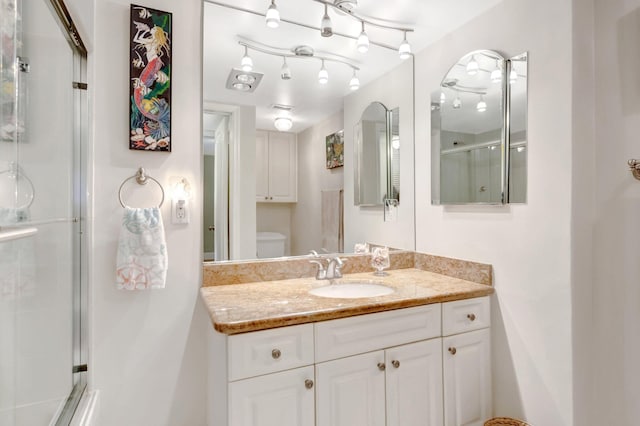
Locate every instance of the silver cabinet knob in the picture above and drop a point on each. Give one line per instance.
(472, 317)
(266, 198)
(395, 363)
(212, 228)
(381, 366)
(452, 351)
(271, 198)
(308, 383)
(275, 354)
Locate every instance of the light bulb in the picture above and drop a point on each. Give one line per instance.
(472, 66)
(363, 41)
(457, 103)
(354, 83)
(246, 63)
(325, 25)
(405, 49)
(482, 105)
(443, 97)
(272, 17)
(395, 142)
(285, 71)
(323, 75)
(513, 76)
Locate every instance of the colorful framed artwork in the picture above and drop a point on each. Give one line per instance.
(150, 79)
(335, 150)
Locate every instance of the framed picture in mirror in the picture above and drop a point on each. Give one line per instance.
(335, 149)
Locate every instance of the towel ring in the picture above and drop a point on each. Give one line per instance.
(141, 178)
(14, 172)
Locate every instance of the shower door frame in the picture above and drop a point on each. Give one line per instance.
(80, 275)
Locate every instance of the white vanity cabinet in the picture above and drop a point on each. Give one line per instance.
(276, 167)
(466, 346)
(381, 369)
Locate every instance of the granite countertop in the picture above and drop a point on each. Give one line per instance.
(252, 306)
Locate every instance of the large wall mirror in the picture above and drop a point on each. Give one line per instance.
(479, 131)
(377, 156)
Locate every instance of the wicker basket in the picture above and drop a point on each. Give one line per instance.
(505, 421)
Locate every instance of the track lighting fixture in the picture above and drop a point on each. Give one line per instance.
(363, 41)
(513, 76)
(457, 102)
(246, 63)
(482, 105)
(323, 75)
(325, 26)
(285, 71)
(298, 52)
(496, 75)
(272, 17)
(472, 66)
(354, 83)
(405, 48)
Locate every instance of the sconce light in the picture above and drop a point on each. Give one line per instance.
(395, 142)
(443, 97)
(180, 194)
(272, 17)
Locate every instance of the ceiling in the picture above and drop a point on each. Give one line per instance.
(311, 101)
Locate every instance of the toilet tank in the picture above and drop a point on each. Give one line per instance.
(270, 244)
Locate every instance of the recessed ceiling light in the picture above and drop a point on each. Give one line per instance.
(244, 87)
(245, 78)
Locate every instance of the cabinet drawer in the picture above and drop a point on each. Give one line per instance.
(267, 351)
(365, 333)
(465, 315)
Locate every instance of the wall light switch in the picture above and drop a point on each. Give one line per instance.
(179, 212)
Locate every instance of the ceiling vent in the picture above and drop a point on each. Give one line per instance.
(243, 81)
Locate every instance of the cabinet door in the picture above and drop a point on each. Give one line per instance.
(350, 391)
(414, 384)
(283, 175)
(467, 378)
(262, 165)
(278, 399)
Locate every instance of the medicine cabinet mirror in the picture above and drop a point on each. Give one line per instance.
(479, 131)
(377, 157)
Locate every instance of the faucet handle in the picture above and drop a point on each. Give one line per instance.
(321, 273)
(338, 264)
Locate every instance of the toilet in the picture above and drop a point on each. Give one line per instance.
(270, 244)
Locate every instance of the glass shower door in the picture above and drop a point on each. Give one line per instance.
(40, 213)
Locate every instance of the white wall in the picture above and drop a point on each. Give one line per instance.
(313, 178)
(616, 311)
(147, 350)
(528, 245)
(394, 89)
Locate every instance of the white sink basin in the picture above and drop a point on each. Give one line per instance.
(352, 290)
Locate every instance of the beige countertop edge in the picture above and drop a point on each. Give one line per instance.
(449, 290)
(230, 328)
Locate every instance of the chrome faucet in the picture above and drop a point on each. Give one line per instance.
(332, 269)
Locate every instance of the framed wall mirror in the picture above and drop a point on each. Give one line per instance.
(377, 156)
(479, 131)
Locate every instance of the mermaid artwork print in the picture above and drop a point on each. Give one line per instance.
(150, 72)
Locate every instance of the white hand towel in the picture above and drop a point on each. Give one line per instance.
(142, 251)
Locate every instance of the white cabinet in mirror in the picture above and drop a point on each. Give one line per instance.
(479, 131)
